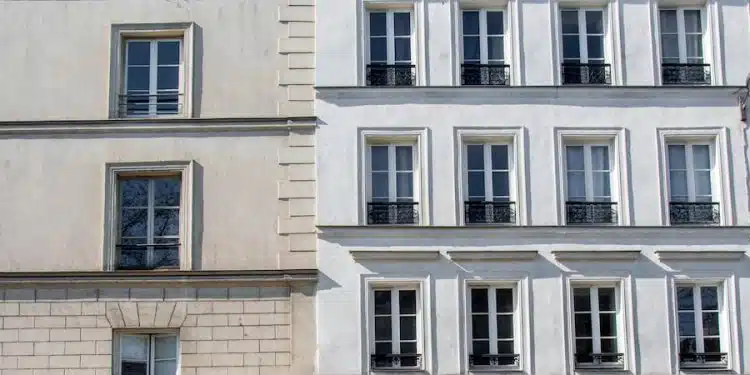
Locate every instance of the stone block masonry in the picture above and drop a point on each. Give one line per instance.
(71, 331)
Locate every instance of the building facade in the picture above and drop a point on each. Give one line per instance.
(158, 187)
(539, 187)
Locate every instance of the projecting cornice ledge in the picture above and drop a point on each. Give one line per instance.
(492, 256)
(597, 256)
(387, 255)
(701, 256)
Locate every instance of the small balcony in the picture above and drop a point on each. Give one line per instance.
(148, 256)
(590, 213)
(493, 361)
(599, 360)
(481, 212)
(703, 360)
(147, 105)
(485, 75)
(686, 74)
(395, 361)
(694, 213)
(392, 213)
(391, 75)
(586, 74)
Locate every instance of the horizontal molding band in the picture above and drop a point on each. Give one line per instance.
(415, 255)
(706, 256)
(586, 255)
(492, 256)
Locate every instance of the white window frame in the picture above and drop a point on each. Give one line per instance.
(698, 320)
(518, 347)
(690, 167)
(152, 336)
(394, 288)
(620, 316)
(390, 33)
(392, 172)
(112, 206)
(153, 75)
(483, 36)
(583, 34)
(122, 33)
(488, 169)
(682, 35)
(588, 168)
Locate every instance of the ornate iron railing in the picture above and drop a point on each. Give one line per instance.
(586, 74)
(599, 360)
(144, 105)
(392, 212)
(395, 361)
(591, 212)
(485, 75)
(703, 360)
(391, 75)
(694, 213)
(493, 360)
(686, 74)
(135, 257)
(481, 212)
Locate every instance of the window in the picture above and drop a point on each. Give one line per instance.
(583, 47)
(596, 324)
(588, 175)
(488, 184)
(152, 82)
(484, 48)
(682, 47)
(691, 199)
(396, 331)
(147, 354)
(390, 60)
(700, 328)
(493, 322)
(391, 185)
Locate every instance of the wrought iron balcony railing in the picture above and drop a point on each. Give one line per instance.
(686, 74)
(391, 75)
(485, 74)
(493, 360)
(145, 105)
(392, 213)
(591, 212)
(694, 213)
(586, 74)
(599, 360)
(481, 212)
(703, 360)
(135, 257)
(395, 361)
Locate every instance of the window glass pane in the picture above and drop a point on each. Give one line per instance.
(167, 256)
(499, 157)
(595, 46)
(165, 367)
(378, 50)
(687, 345)
(608, 325)
(168, 78)
(479, 301)
(607, 299)
(571, 47)
(701, 157)
(383, 348)
(407, 301)
(574, 158)
(134, 222)
(710, 324)
(404, 185)
(686, 323)
(576, 186)
(584, 346)
(668, 21)
(505, 326)
(475, 156)
(495, 23)
(709, 298)
(692, 21)
(379, 158)
(711, 345)
(600, 158)
(401, 24)
(408, 328)
(471, 48)
(504, 300)
(480, 347)
(166, 222)
(581, 299)
(678, 184)
(139, 53)
(167, 192)
(408, 348)
(684, 298)
(703, 183)
(505, 347)
(377, 24)
(382, 302)
(168, 53)
(594, 22)
(476, 184)
(601, 184)
(380, 184)
(670, 47)
(569, 21)
(609, 345)
(138, 78)
(495, 48)
(583, 325)
(134, 368)
(480, 326)
(500, 184)
(134, 193)
(383, 328)
(166, 347)
(134, 347)
(693, 46)
(403, 49)
(404, 158)
(471, 23)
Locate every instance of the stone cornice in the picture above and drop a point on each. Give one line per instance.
(153, 125)
(492, 256)
(701, 256)
(602, 256)
(398, 255)
(157, 277)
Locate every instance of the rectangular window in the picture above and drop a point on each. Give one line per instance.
(588, 175)
(494, 338)
(152, 77)
(700, 332)
(682, 47)
(149, 220)
(147, 354)
(596, 327)
(583, 36)
(488, 184)
(484, 48)
(396, 332)
(690, 168)
(392, 177)
(390, 57)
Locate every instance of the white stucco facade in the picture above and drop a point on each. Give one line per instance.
(643, 254)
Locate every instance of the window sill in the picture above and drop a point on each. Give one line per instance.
(404, 371)
(496, 370)
(602, 370)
